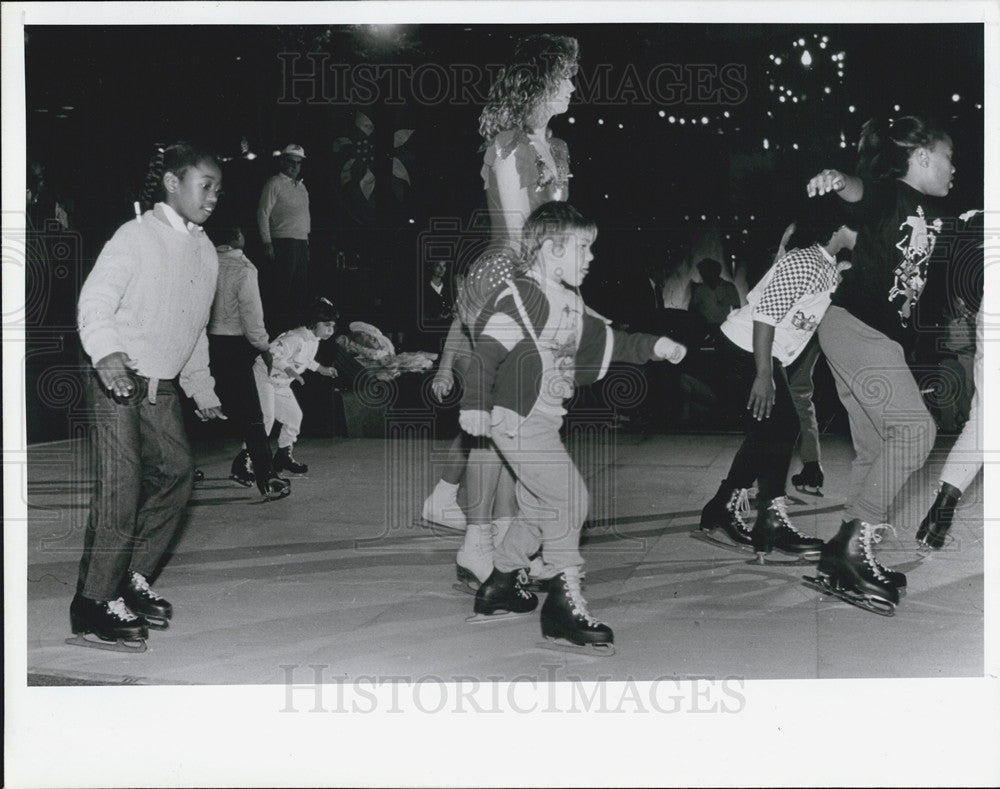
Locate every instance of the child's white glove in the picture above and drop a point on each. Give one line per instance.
(666, 348)
(475, 423)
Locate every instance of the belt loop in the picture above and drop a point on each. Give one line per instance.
(151, 391)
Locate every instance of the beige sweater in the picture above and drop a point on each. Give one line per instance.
(149, 296)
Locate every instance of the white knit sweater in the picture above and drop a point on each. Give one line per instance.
(150, 295)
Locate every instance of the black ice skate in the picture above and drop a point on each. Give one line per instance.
(199, 475)
(111, 624)
(935, 525)
(848, 570)
(144, 601)
(567, 624)
(242, 470)
(726, 511)
(896, 578)
(774, 531)
(809, 479)
(277, 488)
(503, 596)
(283, 461)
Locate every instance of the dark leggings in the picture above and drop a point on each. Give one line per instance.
(232, 359)
(767, 447)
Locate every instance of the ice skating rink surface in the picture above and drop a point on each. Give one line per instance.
(342, 575)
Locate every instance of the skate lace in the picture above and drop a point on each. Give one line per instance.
(121, 611)
(779, 506)
(142, 585)
(522, 580)
(576, 601)
(867, 536)
(740, 507)
(877, 530)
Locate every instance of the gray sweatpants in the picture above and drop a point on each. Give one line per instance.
(891, 429)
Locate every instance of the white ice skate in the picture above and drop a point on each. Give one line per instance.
(441, 508)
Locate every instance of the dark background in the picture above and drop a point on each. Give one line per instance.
(97, 98)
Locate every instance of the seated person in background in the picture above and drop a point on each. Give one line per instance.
(436, 308)
(713, 298)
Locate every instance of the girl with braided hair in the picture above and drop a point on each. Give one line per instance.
(142, 317)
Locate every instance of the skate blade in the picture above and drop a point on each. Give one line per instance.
(793, 560)
(458, 586)
(864, 602)
(703, 536)
(606, 649)
(121, 645)
(925, 550)
(504, 616)
(810, 491)
(242, 482)
(446, 523)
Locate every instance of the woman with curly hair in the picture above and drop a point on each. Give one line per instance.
(524, 166)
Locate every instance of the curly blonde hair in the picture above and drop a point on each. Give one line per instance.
(538, 64)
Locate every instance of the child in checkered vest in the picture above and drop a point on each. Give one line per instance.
(760, 342)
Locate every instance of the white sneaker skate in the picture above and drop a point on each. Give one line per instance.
(474, 561)
(442, 508)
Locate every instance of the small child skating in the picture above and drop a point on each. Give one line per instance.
(758, 343)
(534, 343)
(236, 337)
(292, 353)
(142, 316)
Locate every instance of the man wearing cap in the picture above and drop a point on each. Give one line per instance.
(283, 221)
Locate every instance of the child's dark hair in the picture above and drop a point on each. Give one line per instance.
(176, 159)
(886, 144)
(817, 220)
(320, 311)
(709, 267)
(226, 234)
(553, 220)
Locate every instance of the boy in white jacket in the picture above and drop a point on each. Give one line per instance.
(292, 353)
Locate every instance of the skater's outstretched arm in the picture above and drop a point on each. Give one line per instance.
(848, 187)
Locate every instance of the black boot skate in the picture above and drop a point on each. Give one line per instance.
(773, 530)
(503, 596)
(113, 625)
(199, 475)
(144, 601)
(896, 578)
(277, 488)
(242, 469)
(934, 527)
(283, 461)
(848, 570)
(567, 624)
(726, 511)
(809, 479)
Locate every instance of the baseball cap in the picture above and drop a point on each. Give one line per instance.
(294, 150)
